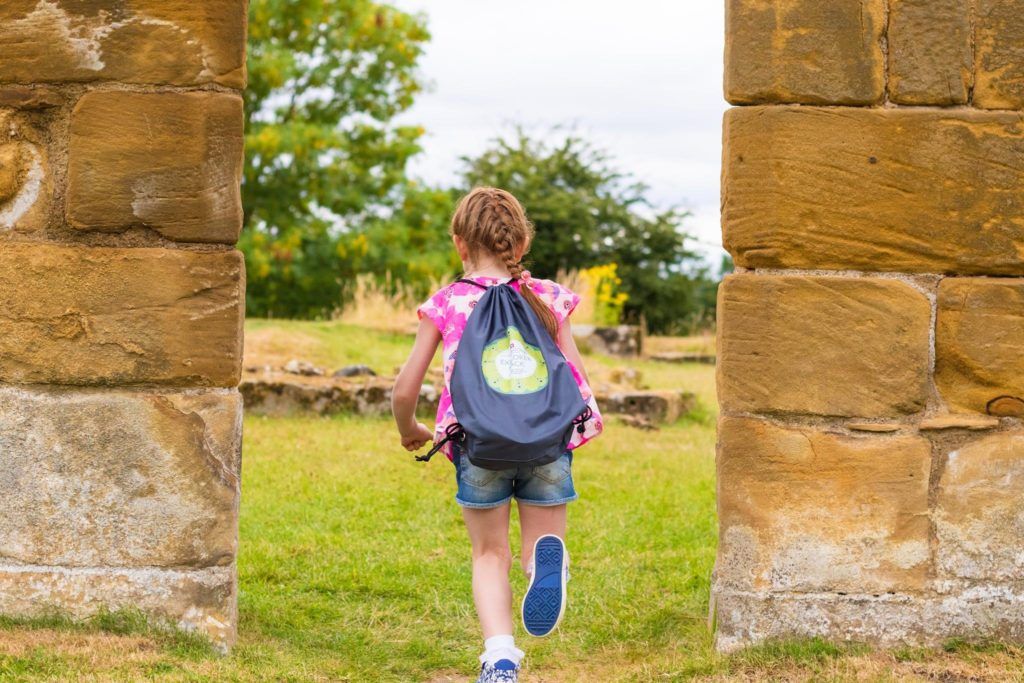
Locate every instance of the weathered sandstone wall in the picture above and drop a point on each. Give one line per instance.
(871, 343)
(121, 307)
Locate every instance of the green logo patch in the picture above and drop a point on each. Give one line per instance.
(511, 366)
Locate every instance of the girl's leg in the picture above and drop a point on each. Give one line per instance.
(492, 560)
(537, 520)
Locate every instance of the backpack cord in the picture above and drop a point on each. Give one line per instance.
(581, 420)
(452, 431)
(455, 432)
(472, 282)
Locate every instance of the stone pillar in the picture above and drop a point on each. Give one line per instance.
(871, 343)
(121, 307)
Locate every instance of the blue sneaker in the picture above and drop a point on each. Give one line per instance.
(502, 671)
(544, 602)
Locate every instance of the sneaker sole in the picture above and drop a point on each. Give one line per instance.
(544, 602)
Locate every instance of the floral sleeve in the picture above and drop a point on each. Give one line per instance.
(434, 308)
(562, 300)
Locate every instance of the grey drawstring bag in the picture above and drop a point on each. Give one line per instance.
(513, 392)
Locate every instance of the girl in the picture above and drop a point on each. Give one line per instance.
(492, 234)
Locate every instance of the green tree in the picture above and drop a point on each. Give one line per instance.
(588, 213)
(410, 247)
(326, 79)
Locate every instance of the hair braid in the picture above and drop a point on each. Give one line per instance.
(506, 251)
(492, 220)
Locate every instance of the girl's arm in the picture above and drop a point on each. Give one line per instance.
(408, 384)
(568, 346)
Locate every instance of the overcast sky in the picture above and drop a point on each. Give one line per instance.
(640, 78)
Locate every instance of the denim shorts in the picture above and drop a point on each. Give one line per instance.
(549, 484)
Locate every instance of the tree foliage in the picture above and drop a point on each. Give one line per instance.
(326, 79)
(327, 197)
(411, 247)
(589, 213)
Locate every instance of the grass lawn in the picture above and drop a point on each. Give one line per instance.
(354, 566)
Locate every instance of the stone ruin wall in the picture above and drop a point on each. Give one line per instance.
(871, 343)
(121, 307)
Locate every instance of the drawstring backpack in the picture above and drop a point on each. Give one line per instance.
(513, 392)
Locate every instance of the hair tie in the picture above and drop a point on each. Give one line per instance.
(524, 276)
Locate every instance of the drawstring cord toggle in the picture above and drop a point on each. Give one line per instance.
(581, 420)
(452, 432)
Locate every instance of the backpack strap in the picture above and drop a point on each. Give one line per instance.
(471, 282)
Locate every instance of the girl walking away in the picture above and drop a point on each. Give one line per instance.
(515, 406)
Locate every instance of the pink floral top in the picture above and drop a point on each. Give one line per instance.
(449, 310)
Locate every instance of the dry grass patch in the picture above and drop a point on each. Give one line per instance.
(387, 306)
(276, 346)
(98, 647)
(701, 343)
(963, 664)
(881, 668)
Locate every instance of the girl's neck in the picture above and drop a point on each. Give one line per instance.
(485, 270)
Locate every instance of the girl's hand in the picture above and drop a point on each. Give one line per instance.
(419, 437)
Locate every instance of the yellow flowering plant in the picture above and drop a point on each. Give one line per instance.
(603, 284)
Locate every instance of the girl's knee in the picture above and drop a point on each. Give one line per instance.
(496, 554)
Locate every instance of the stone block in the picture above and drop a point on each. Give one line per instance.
(822, 345)
(26, 183)
(618, 340)
(173, 42)
(931, 55)
(979, 521)
(974, 423)
(28, 97)
(745, 619)
(171, 162)
(203, 601)
(911, 190)
(804, 51)
(1006, 406)
(285, 395)
(973, 612)
(119, 479)
(979, 343)
(999, 48)
(120, 316)
(804, 510)
(873, 427)
(658, 406)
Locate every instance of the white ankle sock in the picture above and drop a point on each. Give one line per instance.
(501, 647)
